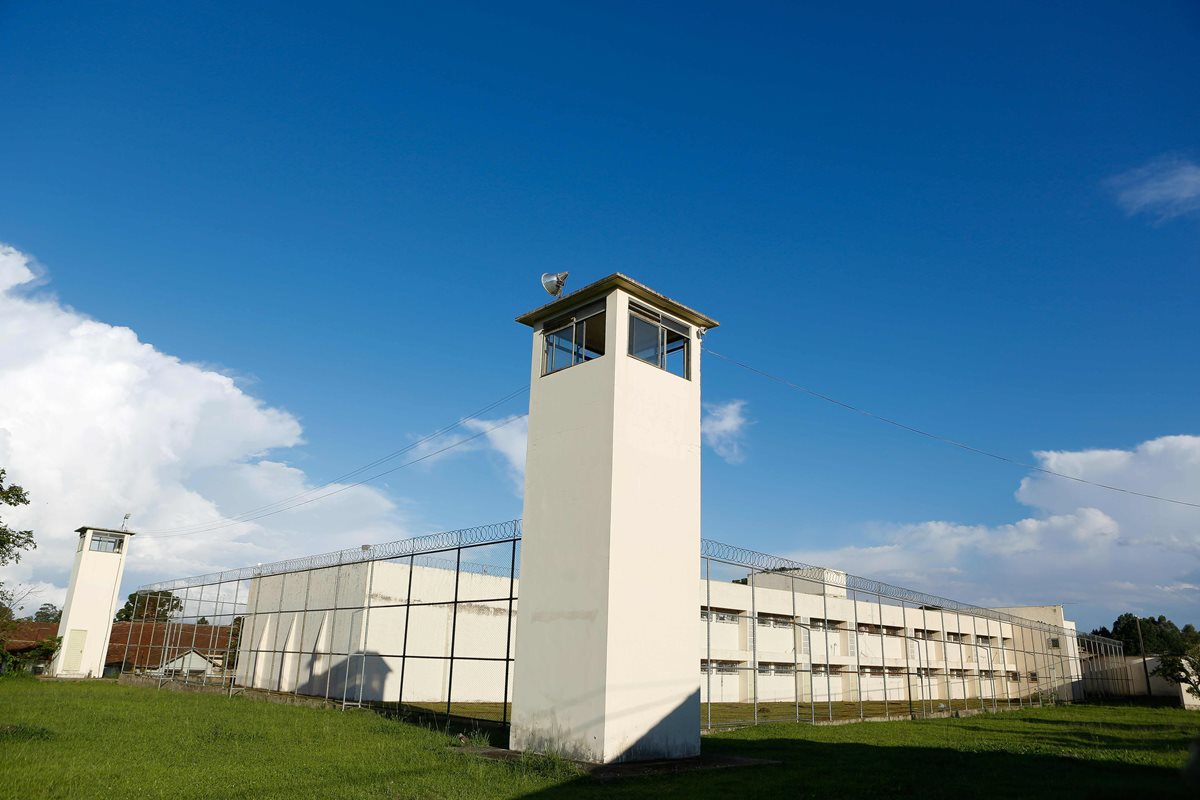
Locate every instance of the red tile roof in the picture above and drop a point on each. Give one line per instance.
(25, 634)
(138, 643)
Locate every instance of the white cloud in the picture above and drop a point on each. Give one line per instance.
(1166, 188)
(95, 423)
(15, 268)
(723, 427)
(1104, 551)
(503, 436)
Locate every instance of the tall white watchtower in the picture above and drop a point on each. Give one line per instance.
(606, 624)
(91, 603)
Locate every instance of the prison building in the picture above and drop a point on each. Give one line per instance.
(385, 630)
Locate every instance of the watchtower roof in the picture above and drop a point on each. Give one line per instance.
(604, 286)
(86, 528)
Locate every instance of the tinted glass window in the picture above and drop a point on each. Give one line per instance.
(660, 341)
(644, 339)
(104, 543)
(578, 341)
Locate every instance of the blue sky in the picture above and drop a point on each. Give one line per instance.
(979, 221)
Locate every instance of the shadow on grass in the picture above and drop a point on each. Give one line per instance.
(848, 770)
(454, 725)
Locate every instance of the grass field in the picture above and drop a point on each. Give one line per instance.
(100, 740)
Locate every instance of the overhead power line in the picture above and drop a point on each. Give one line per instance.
(286, 503)
(943, 439)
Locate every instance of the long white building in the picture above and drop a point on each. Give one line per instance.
(382, 632)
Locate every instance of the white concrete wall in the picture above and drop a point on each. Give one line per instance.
(1159, 687)
(88, 612)
(354, 651)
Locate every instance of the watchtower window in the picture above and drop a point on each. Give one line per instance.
(105, 543)
(574, 339)
(659, 340)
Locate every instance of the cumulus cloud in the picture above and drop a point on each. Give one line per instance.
(95, 423)
(723, 427)
(1165, 189)
(1102, 551)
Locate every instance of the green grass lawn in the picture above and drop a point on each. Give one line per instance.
(100, 740)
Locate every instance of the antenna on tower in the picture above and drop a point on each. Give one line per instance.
(125, 522)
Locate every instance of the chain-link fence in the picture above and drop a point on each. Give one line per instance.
(428, 624)
(786, 641)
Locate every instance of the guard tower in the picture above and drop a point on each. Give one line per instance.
(91, 603)
(606, 648)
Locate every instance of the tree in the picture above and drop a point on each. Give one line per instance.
(1182, 669)
(1191, 636)
(155, 606)
(12, 542)
(48, 613)
(235, 638)
(202, 621)
(1160, 635)
(11, 602)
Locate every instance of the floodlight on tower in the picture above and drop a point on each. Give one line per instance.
(553, 282)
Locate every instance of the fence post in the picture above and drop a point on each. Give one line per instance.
(708, 621)
(508, 626)
(453, 628)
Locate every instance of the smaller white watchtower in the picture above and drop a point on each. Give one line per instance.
(91, 603)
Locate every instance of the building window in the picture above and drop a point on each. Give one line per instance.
(573, 339)
(659, 340)
(1054, 644)
(106, 543)
(726, 615)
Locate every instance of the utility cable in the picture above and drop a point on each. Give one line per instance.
(943, 439)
